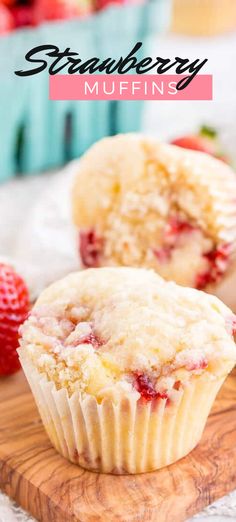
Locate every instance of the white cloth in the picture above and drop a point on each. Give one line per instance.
(10, 512)
(36, 231)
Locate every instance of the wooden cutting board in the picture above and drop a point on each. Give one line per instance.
(53, 490)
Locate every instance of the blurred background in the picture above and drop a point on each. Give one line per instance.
(39, 137)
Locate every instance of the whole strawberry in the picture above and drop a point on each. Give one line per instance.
(46, 10)
(14, 308)
(205, 141)
(6, 20)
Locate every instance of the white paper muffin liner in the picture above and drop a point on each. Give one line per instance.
(125, 436)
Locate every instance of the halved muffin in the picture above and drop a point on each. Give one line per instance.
(141, 203)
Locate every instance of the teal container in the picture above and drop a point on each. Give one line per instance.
(38, 134)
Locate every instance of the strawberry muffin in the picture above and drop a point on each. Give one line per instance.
(125, 366)
(141, 203)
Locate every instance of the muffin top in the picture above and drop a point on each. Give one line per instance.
(108, 331)
(156, 206)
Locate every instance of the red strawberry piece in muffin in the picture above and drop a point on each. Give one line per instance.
(90, 247)
(217, 263)
(145, 387)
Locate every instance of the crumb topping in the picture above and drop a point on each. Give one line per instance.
(124, 329)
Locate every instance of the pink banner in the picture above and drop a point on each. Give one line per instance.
(129, 87)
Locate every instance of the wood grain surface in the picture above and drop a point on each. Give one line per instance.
(53, 490)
